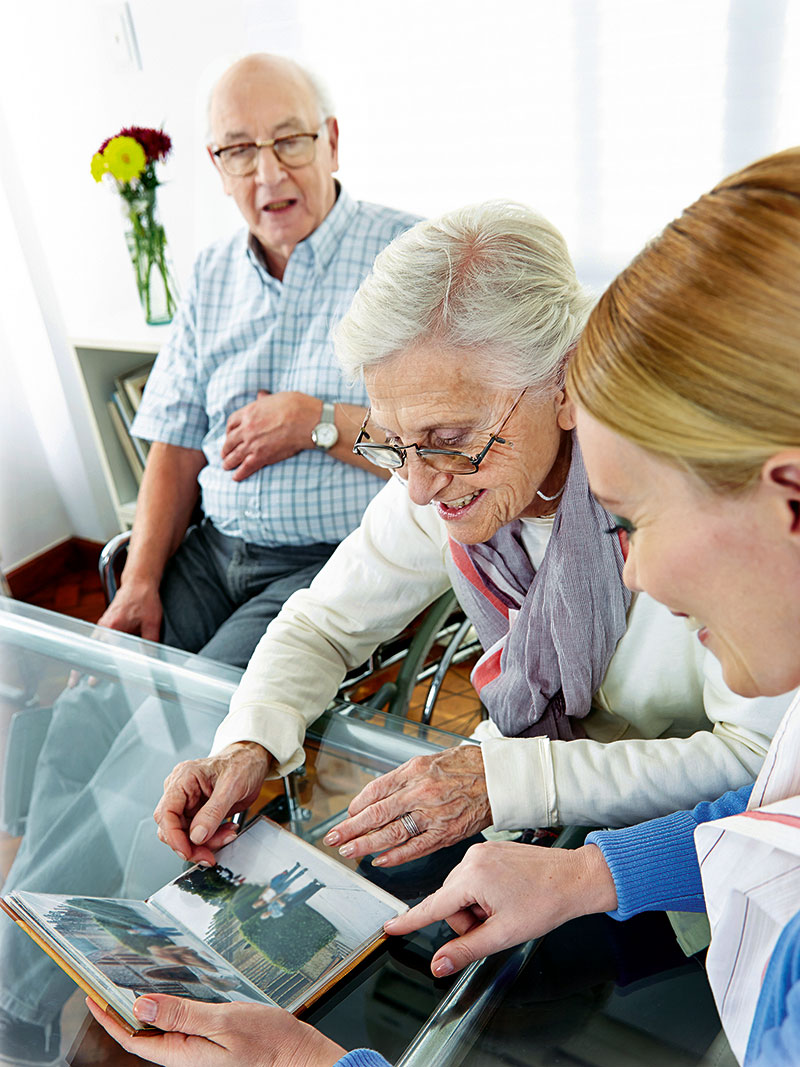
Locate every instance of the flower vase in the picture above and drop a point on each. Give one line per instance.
(147, 245)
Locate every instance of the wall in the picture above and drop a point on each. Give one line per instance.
(37, 443)
(607, 115)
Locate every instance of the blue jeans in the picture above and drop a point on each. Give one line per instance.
(220, 593)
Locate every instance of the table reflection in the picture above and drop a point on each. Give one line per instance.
(91, 722)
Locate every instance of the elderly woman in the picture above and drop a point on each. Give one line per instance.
(462, 333)
(689, 385)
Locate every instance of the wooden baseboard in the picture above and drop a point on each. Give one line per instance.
(74, 553)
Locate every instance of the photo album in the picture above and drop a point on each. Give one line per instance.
(274, 922)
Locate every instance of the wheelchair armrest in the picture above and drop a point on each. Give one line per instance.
(111, 559)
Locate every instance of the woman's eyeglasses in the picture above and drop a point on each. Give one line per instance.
(448, 460)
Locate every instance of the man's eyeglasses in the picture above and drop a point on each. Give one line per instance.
(294, 150)
(393, 457)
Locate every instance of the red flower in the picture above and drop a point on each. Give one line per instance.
(156, 143)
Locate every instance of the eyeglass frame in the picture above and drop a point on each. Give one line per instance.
(217, 155)
(401, 450)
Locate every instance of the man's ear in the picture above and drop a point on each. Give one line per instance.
(565, 411)
(333, 139)
(781, 473)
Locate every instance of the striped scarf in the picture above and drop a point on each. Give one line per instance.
(548, 635)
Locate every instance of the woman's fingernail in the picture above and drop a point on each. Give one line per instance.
(227, 839)
(205, 863)
(347, 850)
(390, 923)
(443, 967)
(379, 862)
(198, 835)
(331, 838)
(184, 858)
(146, 1010)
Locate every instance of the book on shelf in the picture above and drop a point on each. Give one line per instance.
(132, 384)
(128, 390)
(127, 415)
(275, 921)
(126, 441)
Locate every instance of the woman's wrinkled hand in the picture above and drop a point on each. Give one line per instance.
(200, 795)
(221, 1035)
(504, 893)
(445, 794)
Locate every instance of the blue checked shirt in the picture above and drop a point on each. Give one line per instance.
(239, 330)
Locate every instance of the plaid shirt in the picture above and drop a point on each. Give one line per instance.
(239, 330)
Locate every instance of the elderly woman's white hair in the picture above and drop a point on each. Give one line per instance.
(494, 277)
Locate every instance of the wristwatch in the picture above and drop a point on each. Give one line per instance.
(325, 435)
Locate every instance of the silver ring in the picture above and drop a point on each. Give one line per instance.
(410, 824)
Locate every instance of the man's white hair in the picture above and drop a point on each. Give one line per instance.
(322, 96)
(321, 93)
(494, 278)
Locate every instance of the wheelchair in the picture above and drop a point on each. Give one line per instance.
(438, 639)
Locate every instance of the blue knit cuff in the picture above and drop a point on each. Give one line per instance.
(362, 1057)
(654, 865)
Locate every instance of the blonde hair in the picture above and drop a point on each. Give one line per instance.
(693, 352)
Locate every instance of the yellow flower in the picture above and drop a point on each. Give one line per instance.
(99, 166)
(125, 158)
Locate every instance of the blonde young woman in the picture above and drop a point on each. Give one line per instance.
(688, 385)
(687, 380)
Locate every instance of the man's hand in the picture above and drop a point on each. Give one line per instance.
(268, 430)
(503, 894)
(445, 794)
(136, 609)
(221, 1035)
(167, 495)
(199, 795)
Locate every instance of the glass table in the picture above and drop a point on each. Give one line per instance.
(92, 721)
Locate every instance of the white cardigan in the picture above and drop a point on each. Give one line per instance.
(679, 735)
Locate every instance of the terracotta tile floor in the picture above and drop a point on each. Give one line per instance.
(77, 592)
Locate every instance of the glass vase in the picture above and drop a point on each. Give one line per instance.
(147, 245)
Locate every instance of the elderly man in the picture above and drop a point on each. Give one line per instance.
(247, 411)
(245, 404)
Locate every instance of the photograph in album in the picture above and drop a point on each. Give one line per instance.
(275, 921)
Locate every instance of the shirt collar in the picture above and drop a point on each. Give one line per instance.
(255, 253)
(327, 237)
(322, 243)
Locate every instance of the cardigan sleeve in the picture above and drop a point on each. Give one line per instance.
(666, 733)
(654, 865)
(375, 583)
(775, 1034)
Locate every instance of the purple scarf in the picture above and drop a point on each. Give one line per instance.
(548, 635)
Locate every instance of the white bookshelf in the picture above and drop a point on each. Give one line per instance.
(99, 362)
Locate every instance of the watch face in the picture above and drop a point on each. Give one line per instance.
(325, 435)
